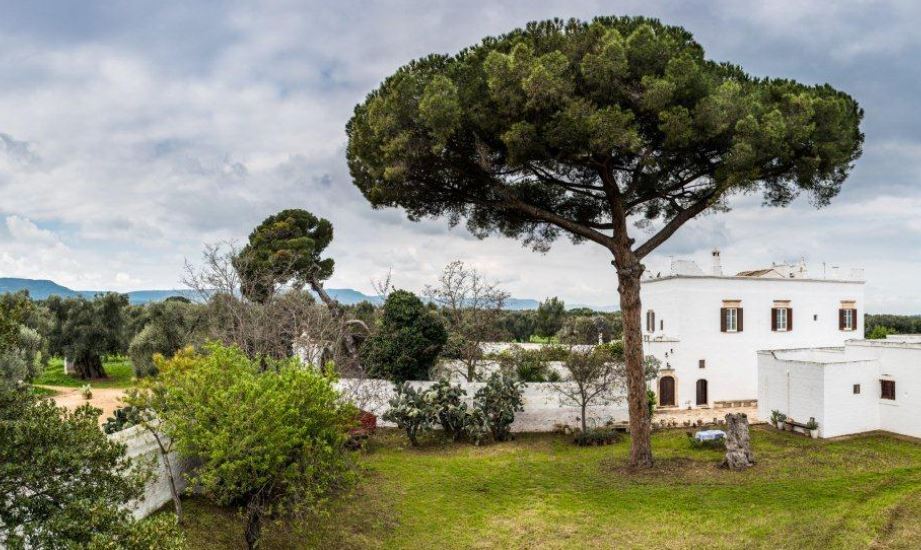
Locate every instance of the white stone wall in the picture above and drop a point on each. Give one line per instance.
(142, 448)
(687, 313)
(820, 383)
(542, 404)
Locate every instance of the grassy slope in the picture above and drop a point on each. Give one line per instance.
(118, 368)
(542, 492)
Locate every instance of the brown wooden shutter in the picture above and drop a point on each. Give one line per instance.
(739, 323)
(722, 319)
(774, 319)
(840, 319)
(855, 318)
(789, 318)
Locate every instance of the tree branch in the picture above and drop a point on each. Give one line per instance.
(680, 219)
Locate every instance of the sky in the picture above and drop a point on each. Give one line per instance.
(132, 133)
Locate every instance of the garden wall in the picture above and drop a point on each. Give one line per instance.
(142, 449)
(542, 407)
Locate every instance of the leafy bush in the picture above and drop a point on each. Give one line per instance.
(651, 401)
(499, 400)
(408, 341)
(604, 435)
(410, 411)
(476, 426)
(171, 326)
(528, 365)
(812, 424)
(122, 418)
(879, 332)
(777, 416)
(448, 408)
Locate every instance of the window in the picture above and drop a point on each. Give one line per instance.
(661, 324)
(847, 319)
(856, 389)
(815, 317)
(887, 389)
(702, 364)
(731, 316)
(650, 321)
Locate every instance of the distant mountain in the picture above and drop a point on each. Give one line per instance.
(41, 289)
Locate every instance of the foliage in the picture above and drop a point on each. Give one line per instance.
(879, 332)
(651, 402)
(594, 377)
(86, 391)
(410, 411)
(899, 324)
(408, 341)
(714, 444)
(777, 416)
(119, 371)
(580, 128)
(472, 306)
(448, 408)
(535, 339)
(170, 326)
(586, 330)
(529, 365)
(122, 418)
(499, 400)
(285, 248)
(517, 326)
(550, 315)
(812, 424)
(269, 441)
(86, 330)
(21, 360)
(599, 435)
(63, 483)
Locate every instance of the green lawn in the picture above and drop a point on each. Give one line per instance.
(542, 492)
(119, 370)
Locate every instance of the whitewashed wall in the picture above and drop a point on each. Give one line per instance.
(901, 362)
(142, 448)
(542, 404)
(687, 313)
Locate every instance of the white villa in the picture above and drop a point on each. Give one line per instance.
(707, 328)
(865, 385)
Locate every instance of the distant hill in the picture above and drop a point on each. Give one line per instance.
(41, 289)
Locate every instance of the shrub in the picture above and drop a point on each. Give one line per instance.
(410, 411)
(604, 435)
(476, 426)
(122, 418)
(86, 391)
(812, 424)
(528, 365)
(651, 402)
(777, 416)
(499, 400)
(448, 408)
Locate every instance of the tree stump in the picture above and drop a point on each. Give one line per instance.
(738, 444)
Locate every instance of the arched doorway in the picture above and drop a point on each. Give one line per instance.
(702, 392)
(666, 391)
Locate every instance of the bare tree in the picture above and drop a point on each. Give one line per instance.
(472, 306)
(593, 378)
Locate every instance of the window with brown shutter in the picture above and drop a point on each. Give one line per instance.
(789, 318)
(650, 321)
(723, 319)
(840, 319)
(887, 389)
(774, 319)
(739, 320)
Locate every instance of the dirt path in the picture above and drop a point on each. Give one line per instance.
(107, 399)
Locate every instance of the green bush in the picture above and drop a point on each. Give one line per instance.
(499, 400)
(603, 435)
(410, 411)
(448, 408)
(122, 418)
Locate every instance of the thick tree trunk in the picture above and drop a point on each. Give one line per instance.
(253, 528)
(629, 271)
(738, 443)
(89, 366)
(584, 423)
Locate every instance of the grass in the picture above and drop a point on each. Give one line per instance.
(121, 375)
(543, 492)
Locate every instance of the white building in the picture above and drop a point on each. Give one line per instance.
(706, 328)
(863, 386)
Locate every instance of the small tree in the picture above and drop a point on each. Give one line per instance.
(64, 484)
(498, 401)
(87, 330)
(550, 315)
(593, 378)
(472, 306)
(269, 441)
(585, 128)
(408, 341)
(170, 326)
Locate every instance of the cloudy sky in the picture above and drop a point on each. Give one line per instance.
(133, 132)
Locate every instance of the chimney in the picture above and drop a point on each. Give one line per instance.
(717, 266)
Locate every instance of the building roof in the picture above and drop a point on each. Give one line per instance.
(758, 273)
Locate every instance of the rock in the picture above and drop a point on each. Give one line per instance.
(738, 443)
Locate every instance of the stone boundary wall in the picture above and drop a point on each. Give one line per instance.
(542, 407)
(143, 450)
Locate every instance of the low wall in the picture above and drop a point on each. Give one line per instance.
(543, 406)
(143, 450)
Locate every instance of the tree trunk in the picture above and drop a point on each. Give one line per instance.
(89, 366)
(629, 271)
(253, 527)
(584, 424)
(738, 444)
(337, 312)
(174, 491)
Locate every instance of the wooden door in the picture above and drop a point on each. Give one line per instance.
(667, 391)
(702, 392)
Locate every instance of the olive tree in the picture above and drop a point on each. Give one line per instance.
(87, 330)
(585, 129)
